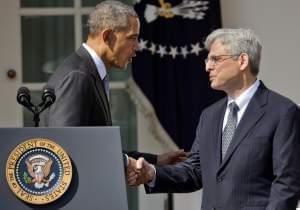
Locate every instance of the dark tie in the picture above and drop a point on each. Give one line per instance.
(230, 127)
(106, 85)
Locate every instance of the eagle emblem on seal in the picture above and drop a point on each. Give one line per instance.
(39, 169)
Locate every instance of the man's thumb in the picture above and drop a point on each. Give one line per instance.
(140, 163)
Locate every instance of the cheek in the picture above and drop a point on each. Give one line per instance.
(120, 53)
(220, 75)
(124, 50)
(227, 74)
(223, 75)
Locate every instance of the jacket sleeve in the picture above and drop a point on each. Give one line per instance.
(73, 98)
(151, 158)
(286, 166)
(182, 177)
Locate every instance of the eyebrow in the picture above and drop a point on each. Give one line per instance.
(133, 36)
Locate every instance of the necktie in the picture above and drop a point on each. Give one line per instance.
(106, 85)
(230, 127)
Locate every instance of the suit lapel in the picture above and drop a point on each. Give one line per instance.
(251, 117)
(91, 67)
(218, 119)
(99, 85)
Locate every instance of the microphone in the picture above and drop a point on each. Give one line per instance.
(48, 97)
(23, 98)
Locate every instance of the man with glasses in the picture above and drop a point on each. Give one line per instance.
(247, 148)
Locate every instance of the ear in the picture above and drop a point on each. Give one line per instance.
(243, 61)
(107, 36)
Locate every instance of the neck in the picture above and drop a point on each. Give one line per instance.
(241, 87)
(98, 47)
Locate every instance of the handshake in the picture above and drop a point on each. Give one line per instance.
(141, 172)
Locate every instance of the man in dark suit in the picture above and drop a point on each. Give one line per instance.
(246, 154)
(81, 81)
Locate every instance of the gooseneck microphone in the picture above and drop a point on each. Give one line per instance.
(48, 98)
(24, 98)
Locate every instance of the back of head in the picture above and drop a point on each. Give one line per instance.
(109, 14)
(237, 41)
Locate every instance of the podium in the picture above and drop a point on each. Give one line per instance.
(97, 181)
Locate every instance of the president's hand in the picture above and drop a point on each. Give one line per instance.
(173, 157)
(131, 171)
(144, 173)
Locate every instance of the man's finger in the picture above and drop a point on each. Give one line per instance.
(131, 180)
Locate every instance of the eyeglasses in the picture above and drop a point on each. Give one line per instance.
(216, 59)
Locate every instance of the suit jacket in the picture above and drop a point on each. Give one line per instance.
(80, 96)
(261, 169)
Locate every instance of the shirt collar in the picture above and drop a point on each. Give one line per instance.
(243, 99)
(97, 60)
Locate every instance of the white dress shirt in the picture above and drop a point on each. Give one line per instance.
(242, 102)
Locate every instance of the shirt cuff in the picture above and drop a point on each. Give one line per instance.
(127, 160)
(152, 182)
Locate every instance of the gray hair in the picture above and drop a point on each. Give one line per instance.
(110, 14)
(237, 41)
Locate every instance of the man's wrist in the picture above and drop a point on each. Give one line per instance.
(152, 175)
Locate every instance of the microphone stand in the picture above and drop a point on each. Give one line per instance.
(36, 116)
(48, 98)
(37, 110)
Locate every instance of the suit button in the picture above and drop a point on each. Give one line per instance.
(219, 179)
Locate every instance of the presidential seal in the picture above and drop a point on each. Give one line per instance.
(38, 171)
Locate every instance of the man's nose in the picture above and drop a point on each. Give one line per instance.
(208, 66)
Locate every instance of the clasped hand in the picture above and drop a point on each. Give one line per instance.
(139, 172)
